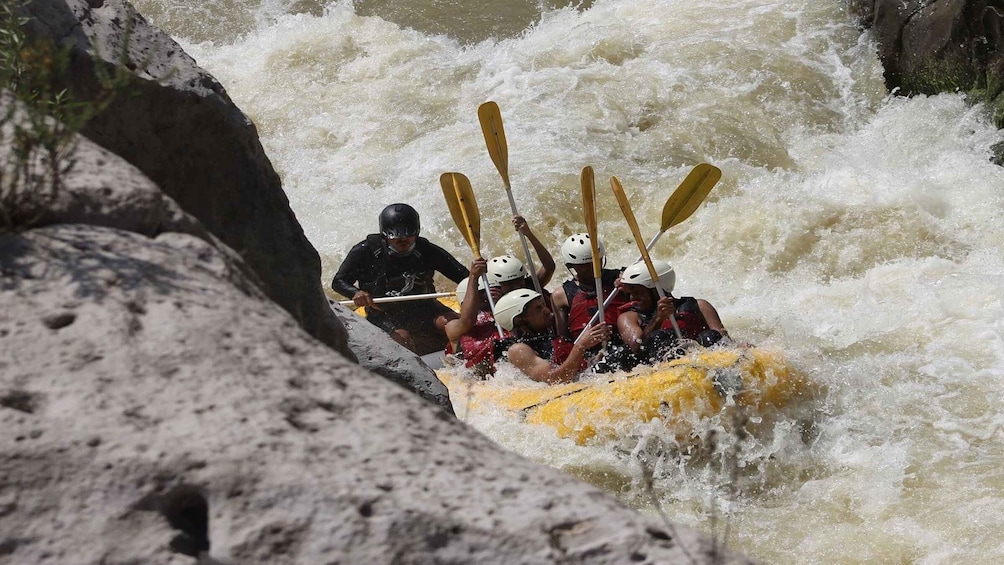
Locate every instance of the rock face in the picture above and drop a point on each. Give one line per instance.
(385, 357)
(157, 406)
(936, 46)
(178, 126)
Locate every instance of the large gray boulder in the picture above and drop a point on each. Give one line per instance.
(385, 357)
(928, 47)
(178, 126)
(156, 406)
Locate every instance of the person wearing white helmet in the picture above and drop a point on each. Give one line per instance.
(472, 336)
(645, 325)
(509, 273)
(398, 262)
(576, 302)
(537, 351)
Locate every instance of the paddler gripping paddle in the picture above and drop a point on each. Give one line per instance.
(464, 210)
(625, 207)
(681, 205)
(491, 126)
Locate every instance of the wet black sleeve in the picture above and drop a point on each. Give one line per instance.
(351, 270)
(442, 261)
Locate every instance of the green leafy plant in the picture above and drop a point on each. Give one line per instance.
(40, 116)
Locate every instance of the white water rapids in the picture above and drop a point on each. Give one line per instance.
(857, 232)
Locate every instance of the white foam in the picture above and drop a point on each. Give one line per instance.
(859, 233)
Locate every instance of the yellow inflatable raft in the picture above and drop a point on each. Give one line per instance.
(698, 385)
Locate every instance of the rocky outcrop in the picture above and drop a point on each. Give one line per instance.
(178, 126)
(933, 46)
(391, 360)
(156, 406)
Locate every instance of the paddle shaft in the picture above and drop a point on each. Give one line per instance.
(491, 305)
(476, 248)
(522, 239)
(494, 132)
(589, 209)
(468, 209)
(385, 299)
(625, 207)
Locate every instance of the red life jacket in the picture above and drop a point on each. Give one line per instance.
(688, 317)
(554, 349)
(582, 304)
(478, 344)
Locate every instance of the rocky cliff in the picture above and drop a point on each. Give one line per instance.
(933, 46)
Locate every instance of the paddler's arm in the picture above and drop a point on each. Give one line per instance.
(526, 359)
(349, 272)
(663, 310)
(559, 300)
(629, 326)
(469, 309)
(441, 260)
(711, 317)
(546, 270)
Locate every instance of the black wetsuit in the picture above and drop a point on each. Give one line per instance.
(378, 271)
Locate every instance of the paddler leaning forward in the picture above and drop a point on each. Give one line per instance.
(537, 351)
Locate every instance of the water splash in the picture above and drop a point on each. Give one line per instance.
(859, 233)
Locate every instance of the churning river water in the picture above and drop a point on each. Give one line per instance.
(859, 233)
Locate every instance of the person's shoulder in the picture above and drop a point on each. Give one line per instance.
(369, 241)
(629, 309)
(425, 246)
(704, 303)
(689, 303)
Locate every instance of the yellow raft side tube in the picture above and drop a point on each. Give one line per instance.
(695, 386)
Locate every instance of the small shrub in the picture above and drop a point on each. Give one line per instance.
(40, 117)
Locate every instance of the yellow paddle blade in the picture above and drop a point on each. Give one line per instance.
(463, 208)
(491, 127)
(625, 207)
(689, 195)
(589, 209)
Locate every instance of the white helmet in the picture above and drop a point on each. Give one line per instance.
(638, 274)
(505, 268)
(512, 305)
(462, 288)
(578, 251)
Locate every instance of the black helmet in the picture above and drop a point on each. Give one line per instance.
(399, 220)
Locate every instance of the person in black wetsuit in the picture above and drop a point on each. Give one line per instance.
(397, 262)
